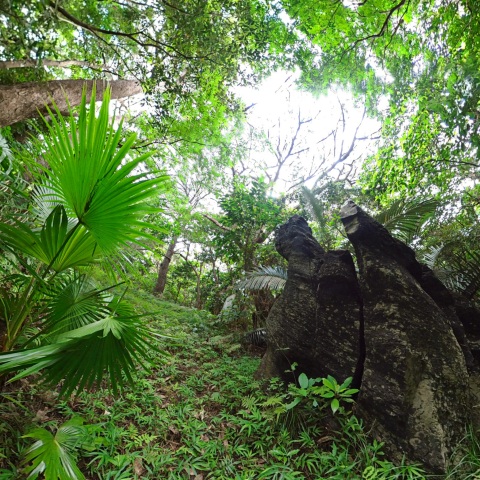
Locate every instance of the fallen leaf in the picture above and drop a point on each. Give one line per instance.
(41, 416)
(138, 466)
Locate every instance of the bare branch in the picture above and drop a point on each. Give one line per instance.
(218, 224)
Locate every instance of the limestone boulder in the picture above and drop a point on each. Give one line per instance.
(316, 321)
(414, 391)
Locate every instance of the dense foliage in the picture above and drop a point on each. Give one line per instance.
(82, 190)
(199, 414)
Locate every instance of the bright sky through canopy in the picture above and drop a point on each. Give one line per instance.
(309, 137)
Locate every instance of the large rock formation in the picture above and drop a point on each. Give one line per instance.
(395, 329)
(415, 382)
(320, 295)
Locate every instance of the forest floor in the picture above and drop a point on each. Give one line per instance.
(197, 414)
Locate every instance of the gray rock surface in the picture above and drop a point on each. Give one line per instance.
(415, 384)
(315, 323)
(396, 329)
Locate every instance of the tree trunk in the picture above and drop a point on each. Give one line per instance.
(22, 101)
(30, 63)
(198, 299)
(163, 269)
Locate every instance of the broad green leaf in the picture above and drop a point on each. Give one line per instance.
(54, 456)
(335, 404)
(329, 383)
(293, 404)
(54, 246)
(303, 381)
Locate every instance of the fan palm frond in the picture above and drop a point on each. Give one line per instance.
(404, 219)
(272, 278)
(54, 245)
(91, 201)
(54, 455)
(89, 175)
(72, 303)
(83, 357)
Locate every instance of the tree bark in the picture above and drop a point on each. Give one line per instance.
(29, 63)
(198, 299)
(26, 100)
(163, 269)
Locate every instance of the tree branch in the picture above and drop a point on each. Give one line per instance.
(384, 26)
(28, 62)
(152, 42)
(218, 224)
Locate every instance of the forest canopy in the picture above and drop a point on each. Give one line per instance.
(149, 152)
(409, 65)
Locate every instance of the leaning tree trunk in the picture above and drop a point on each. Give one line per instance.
(163, 269)
(22, 101)
(30, 63)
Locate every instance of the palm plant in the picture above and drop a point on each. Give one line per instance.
(88, 202)
(270, 278)
(404, 219)
(54, 455)
(457, 266)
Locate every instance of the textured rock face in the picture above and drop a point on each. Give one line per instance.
(415, 381)
(320, 296)
(469, 316)
(396, 329)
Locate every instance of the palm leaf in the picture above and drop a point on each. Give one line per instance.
(459, 271)
(72, 303)
(84, 356)
(45, 200)
(318, 212)
(89, 174)
(54, 455)
(54, 245)
(466, 270)
(405, 219)
(441, 270)
(315, 206)
(431, 258)
(272, 278)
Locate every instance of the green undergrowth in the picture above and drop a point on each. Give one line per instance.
(197, 415)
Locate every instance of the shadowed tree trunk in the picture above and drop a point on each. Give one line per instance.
(163, 268)
(22, 101)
